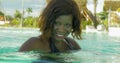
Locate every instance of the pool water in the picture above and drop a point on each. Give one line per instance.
(96, 48)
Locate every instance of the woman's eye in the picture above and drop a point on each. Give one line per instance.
(57, 23)
(68, 25)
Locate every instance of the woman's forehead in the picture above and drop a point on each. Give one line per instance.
(63, 17)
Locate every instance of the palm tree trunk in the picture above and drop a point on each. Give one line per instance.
(95, 5)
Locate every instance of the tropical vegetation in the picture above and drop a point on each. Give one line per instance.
(18, 20)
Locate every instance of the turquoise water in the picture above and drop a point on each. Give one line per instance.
(96, 48)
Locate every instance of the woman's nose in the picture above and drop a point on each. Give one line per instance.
(61, 28)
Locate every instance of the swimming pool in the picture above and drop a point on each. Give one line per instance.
(96, 48)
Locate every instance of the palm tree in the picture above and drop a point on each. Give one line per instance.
(1, 13)
(86, 13)
(95, 5)
(29, 10)
(17, 14)
(47, 1)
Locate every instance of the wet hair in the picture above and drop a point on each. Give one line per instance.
(56, 8)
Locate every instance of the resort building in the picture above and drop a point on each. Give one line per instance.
(113, 7)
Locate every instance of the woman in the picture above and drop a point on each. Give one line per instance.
(57, 21)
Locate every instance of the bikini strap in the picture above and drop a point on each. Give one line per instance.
(52, 46)
(69, 44)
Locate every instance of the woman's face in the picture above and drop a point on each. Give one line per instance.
(62, 27)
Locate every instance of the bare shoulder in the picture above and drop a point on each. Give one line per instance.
(74, 43)
(29, 44)
(33, 39)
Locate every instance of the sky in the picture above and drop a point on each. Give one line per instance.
(10, 6)
(99, 8)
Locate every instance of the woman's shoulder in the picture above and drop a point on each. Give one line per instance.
(29, 44)
(34, 39)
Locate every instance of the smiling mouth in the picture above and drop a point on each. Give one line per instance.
(60, 36)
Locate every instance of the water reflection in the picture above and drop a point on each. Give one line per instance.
(82, 56)
(66, 57)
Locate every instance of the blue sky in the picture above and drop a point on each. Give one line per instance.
(9, 6)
